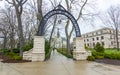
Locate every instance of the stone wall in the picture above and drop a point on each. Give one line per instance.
(27, 55)
(38, 53)
(79, 52)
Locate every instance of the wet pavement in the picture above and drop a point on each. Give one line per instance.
(5, 69)
(59, 65)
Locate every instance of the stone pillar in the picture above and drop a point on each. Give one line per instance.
(38, 53)
(79, 52)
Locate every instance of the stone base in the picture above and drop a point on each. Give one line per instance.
(38, 56)
(79, 52)
(38, 53)
(27, 55)
(81, 55)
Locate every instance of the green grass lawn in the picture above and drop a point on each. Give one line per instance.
(64, 52)
(108, 53)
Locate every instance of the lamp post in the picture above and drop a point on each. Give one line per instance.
(2, 46)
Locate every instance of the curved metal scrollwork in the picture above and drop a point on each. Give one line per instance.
(58, 10)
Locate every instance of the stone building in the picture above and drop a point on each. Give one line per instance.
(57, 41)
(1, 40)
(104, 36)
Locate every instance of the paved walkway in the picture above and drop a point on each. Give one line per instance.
(59, 65)
(5, 69)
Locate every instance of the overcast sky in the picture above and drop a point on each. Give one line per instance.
(102, 5)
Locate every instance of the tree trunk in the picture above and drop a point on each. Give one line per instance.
(21, 38)
(53, 29)
(4, 42)
(12, 39)
(68, 45)
(69, 7)
(20, 32)
(18, 5)
(117, 39)
(39, 5)
(67, 36)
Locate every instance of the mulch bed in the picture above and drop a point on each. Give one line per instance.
(108, 61)
(10, 60)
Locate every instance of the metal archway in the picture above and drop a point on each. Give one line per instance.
(58, 10)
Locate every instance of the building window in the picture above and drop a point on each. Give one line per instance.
(97, 38)
(88, 44)
(84, 40)
(110, 32)
(103, 43)
(101, 32)
(87, 35)
(93, 44)
(74, 47)
(111, 43)
(110, 36)
(102, 37)
(87, 39)
(93, 39)
(96, 33)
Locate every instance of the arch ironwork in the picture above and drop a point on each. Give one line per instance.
(58, 10)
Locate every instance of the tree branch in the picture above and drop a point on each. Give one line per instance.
(9, 2)
(80, 12)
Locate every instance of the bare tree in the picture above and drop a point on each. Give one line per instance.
(55, 20)
(4, 29)
(69, 8)
(39, 6)
(18, 5)
(36, 8)
(33, 10)
(8, 20)
(112, 20)
(114, 14)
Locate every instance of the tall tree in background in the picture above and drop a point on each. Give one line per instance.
(69, 8)
(55, 20)
(4, 29)
(18, 5)
(112, 20)
(114, 15)
(39, 6)
(9, 19)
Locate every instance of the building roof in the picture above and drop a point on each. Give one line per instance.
(97, 30)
